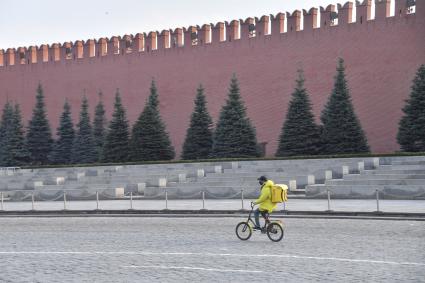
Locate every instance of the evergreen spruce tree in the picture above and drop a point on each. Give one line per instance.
(19, 148)
(39, 136)
(198, 142)
(300, 135)
(13, 151)
(62, 149)
(234, 135)
(99, 131)
(411, 131)
(116, 146)
(83, 148)
(149, 139)
(342, 132)
(6, 119)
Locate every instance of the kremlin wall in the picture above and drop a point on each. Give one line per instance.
(382, 53)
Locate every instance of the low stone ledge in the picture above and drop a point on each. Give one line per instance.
(216, 213)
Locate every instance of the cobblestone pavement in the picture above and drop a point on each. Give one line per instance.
(207, 250)
(417, 206)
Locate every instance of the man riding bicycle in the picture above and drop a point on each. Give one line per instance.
(265, 201)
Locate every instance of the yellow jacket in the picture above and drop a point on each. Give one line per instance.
(265, 199)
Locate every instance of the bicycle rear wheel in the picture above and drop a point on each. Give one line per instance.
(243, 231)
(275, 232)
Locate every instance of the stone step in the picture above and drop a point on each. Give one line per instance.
(404, 167)
(14, 186)
(128, 170)
(405, 182)
(413, 162)
(17, 175)
(91, 187)
(131, 173)
(212, 184)
(56, 192)
(285, 169)
(304, 162)
(366, 191)
(383, 176)
(196, 193)
(319, 171)
(126, 177)
(276, 177)
(384, 171)
(270, 175)
(390, 160)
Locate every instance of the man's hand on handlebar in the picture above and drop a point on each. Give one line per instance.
(252, 204)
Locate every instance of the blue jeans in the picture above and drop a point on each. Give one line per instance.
(257, 213)
(257, 217)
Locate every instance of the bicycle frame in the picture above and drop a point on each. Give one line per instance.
(244, 229)
(265, 216)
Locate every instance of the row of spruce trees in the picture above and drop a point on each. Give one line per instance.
(87, 142)
(233, 137)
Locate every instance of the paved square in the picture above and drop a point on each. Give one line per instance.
(146, 249)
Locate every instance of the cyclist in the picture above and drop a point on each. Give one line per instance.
(265, 201)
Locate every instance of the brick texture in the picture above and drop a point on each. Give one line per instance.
(381, 57)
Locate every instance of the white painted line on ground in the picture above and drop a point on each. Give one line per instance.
(215, 255)
(192, 268)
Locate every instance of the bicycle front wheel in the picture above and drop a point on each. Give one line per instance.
(275, 232)
(243, 231)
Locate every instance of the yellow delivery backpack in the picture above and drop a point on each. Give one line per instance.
(279, 193)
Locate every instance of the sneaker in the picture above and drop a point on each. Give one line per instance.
(256, 228)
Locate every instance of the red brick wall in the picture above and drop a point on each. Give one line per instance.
(381, 57)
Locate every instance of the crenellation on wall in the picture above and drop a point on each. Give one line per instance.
(278, 23)
(420, 9)
(204, 34)
(262, 26)
(114, 45)
(102, 47)
(294, 21)
(310, 19)
(345, 13)
(1, 57)
(248, 28)
(212, 34)
(126, 44)
(89, 48)
(78, 49)
(151, 41)
(218, 33)
(32, 54)
(139, 42)
(164, 39)
(400, 8)
(177, 38)
(21, 56)
(67, 51)
(10, 57)
(55, 52)
(327, 16)
(43, 53)
(232, 30)
(382, 9)
(190, 36)
(363, 11)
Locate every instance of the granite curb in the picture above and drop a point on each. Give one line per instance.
(378, 215)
